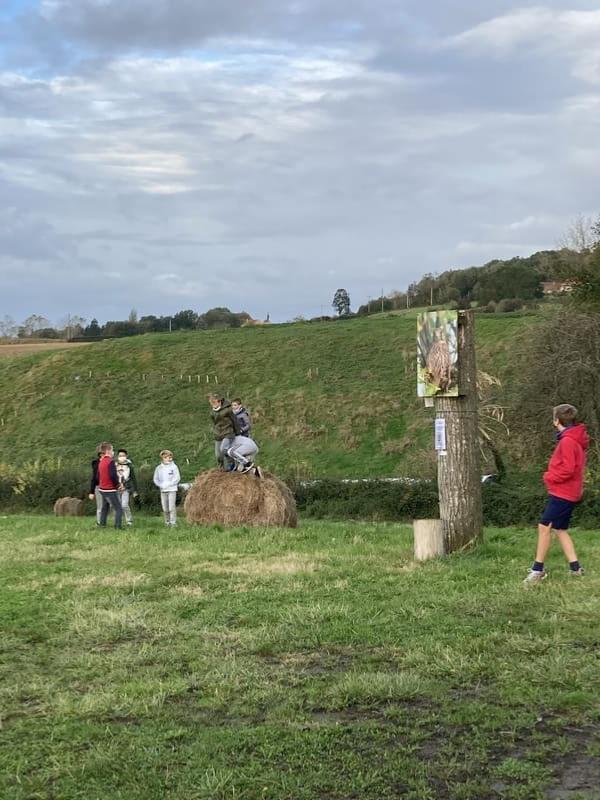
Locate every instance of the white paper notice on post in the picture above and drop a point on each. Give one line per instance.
(440, 434)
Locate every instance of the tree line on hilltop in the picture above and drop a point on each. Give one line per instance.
(75, 327)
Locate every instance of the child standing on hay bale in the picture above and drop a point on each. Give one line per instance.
(167, 477)
(243, 451)
(128, 482)
(225, 428)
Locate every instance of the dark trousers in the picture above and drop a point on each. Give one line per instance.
(111, 499)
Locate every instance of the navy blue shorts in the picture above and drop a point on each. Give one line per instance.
(557, 513)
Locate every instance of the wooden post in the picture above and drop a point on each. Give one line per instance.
(459, 466)
(429, 539)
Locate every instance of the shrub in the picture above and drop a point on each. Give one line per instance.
(509, 304)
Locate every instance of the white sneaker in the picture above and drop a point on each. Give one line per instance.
(535, 576)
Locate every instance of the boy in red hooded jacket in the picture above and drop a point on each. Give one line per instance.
(564, 481)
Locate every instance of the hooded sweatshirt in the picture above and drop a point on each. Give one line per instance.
(244, 423)
(564, 476)
(225, 424)
(167, 477)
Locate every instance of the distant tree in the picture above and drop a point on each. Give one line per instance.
(220, 318)
(71, 326)
(341, 302)
(46, 333)
(8, 327)
(133, 316)
(33, 323)
(119, 328)
(185, 320)
(92, 330)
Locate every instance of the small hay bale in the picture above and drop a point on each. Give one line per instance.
(69, 507)
(230, 498)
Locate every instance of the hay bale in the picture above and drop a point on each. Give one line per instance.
(69, 507)
(230, 498)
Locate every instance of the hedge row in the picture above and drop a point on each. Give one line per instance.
(512, 502)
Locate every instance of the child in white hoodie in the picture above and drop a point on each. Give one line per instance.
(167, 477)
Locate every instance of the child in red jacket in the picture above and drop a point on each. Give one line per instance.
(564, 481)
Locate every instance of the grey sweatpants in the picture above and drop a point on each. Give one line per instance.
(221, 448)
(168, 501)
(243, 450)
(99, 501)
(126, 508)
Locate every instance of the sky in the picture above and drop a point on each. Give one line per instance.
(260, 154)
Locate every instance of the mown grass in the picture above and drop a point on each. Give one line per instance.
(315, 663)
(328, 399)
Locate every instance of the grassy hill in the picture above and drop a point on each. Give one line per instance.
(327, 399)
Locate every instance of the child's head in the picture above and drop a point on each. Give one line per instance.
(106, 449)
(122, 456)
(166, 456)
(564, 415)
(215, 400)
(236, 404)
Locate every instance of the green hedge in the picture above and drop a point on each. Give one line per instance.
(516, 501)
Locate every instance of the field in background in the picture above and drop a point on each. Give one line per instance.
(35, 347)
(328, 399)
(209, 664)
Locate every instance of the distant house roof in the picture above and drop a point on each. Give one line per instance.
(557, 287)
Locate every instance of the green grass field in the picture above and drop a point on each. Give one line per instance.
(292, 665)
(328, 399)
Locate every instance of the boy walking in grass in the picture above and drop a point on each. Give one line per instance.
(564, 481)
(127, 481)
(108, 485)
(167, 477)
(225, 428)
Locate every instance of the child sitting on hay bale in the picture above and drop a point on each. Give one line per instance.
(167, 477)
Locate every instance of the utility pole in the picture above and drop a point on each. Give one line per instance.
(382, 301)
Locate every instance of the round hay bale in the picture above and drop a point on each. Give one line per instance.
(231, 498)
(69, 507)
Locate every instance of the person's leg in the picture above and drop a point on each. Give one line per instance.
(234, 454)
(218, 454)
(568, 549)
(99, 502)
(164, 502)
(543, 543)
(115, 501)
(104, 509)
(225, 445)
(125, 506)
(172, 508)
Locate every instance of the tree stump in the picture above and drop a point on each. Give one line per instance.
(429, 539)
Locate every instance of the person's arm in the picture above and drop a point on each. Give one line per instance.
(565, 466)
(245, 423)
(155, 478)
(94, 480)
(235, 422)
(176, 476)
(114, 475)
(133, 479)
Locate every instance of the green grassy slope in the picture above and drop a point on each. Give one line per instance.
(357, 416)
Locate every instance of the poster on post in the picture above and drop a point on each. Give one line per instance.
(437, 354)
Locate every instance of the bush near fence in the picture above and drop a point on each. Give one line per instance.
(515, 501)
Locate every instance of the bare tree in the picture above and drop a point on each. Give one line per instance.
(8, 327)
(582, 234)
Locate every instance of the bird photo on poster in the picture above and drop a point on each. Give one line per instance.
(437, 354)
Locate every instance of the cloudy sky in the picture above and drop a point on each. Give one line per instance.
(260, 154)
